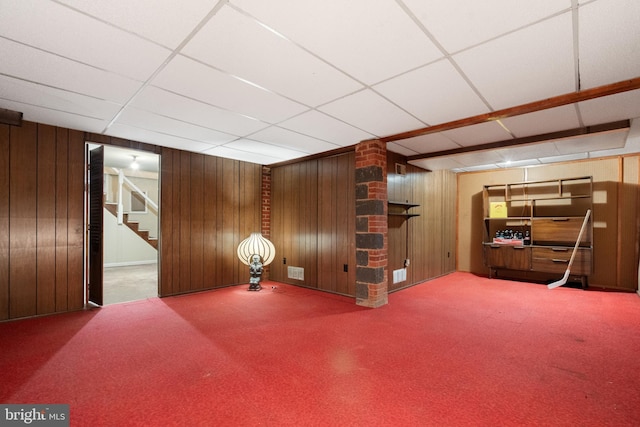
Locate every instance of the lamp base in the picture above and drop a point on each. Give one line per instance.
(254, 287)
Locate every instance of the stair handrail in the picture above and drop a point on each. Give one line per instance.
(122, 179)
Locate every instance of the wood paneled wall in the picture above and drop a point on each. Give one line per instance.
(208, 205)
(336, 224)
(431, 236)
(294, 221)
(629, 223)
(313, 222)
(41, 220)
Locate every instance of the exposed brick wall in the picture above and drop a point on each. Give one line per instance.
(371, 224)
(266, 203)
(265, 219)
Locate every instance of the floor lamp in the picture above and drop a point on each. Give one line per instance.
(256, 251)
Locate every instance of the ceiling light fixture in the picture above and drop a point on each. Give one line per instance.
(134, 164)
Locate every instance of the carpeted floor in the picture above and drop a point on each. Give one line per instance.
(456, 351)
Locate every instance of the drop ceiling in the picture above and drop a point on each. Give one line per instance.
(273, 81)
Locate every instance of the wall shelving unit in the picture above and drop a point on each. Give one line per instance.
(550, 213)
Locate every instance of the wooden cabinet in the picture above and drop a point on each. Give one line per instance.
(514, 257)
(559, 230)
(533, 227)
(556, 259)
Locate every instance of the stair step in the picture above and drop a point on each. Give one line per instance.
(112, 208)
(133, 225)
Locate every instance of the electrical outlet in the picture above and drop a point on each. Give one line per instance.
(284, 260)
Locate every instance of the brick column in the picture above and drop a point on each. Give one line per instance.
(265, 212)
(371, 224)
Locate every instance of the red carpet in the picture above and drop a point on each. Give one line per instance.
(459, 350)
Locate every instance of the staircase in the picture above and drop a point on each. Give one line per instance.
(134, 226)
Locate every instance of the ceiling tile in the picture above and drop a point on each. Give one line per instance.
(264, 149)
(610, 108)
(76, 36)
(482, 133)
(157, 138)
(435, 94)
(437, 163)
(371, 113)
(632, 144)
(241, 46)
(564, 158)
(523, 66)
(528, 151)
(429, 143)
(286, 138)
(370, 41)
(189, 110)
(518, 163)
(458, 24)
(56, 99)
(267, 81)
(134, 117)
(544, 121)
(609, 40)
(34, 113)
(167, 22)
(475, 168)
(400, 149)
(614, 152)
(18, 61)
(195, 80)
(321, 126)
(242, 155)
(592, 142)
(634, 131)
(478, 158)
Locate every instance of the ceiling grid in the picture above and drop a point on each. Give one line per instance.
(271, 82)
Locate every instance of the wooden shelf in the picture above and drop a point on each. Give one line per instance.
(404, 204)
(510, 218)
(407, 215)
(403, 209)
(579, 196)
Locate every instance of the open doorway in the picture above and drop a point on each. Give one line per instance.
(128, 212)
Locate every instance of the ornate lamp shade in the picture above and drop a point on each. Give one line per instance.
(256, 244)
